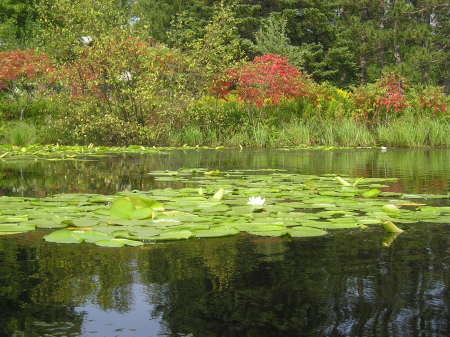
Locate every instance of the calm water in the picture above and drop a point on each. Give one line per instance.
(344, 284)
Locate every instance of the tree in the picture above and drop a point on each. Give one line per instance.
(17, 20)
(65, 22)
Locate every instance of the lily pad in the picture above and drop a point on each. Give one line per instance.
(63, 236)
(303, 231)
(113, 243)
(175, 235)
(215, 232)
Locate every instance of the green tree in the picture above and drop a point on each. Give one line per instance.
(17, 20)
(64, 23)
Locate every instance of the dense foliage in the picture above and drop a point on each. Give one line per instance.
(175, 72)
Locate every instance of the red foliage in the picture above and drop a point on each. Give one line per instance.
(394, 98)
(265, 80)
(380, 101)
(22, 65)
(433, 99)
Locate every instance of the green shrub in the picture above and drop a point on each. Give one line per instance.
(35, 109)
(99, 130)
(216, 114)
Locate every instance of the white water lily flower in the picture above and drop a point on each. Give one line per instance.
(86, 40)
(256, 201)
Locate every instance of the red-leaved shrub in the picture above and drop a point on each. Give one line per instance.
(381, 101)
(22, 66)
(265, 80)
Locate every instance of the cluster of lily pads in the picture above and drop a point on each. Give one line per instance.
(67, 152)
(270, 203)
(53, 152)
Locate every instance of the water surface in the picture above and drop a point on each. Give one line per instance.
(343, 284)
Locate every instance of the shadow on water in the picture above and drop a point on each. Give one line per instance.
(344, 284)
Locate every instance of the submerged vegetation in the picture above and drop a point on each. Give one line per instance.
(224, 73)
(270, 203)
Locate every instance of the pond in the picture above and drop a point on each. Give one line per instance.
(347, 283)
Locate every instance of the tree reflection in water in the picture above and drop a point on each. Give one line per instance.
(346, 284)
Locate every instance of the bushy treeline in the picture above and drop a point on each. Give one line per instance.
(226, 72)
(345, 42)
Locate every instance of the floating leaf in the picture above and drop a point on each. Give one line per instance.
(215, 232)
(131, 207)
(175, 235)
(13, 219)
(392, 209)
(113, 243)
(18, 228)
(63, 236)
(269, 233)
(303, 231)
(371, 193)
(213, 173)
(91, 235)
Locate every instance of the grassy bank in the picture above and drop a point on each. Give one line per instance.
(344, 132)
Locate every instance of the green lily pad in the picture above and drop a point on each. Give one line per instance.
(114, 243)
(175, 235)
(303, 231)
(13, 219)
(131, 207)
(9, 233)
(371, 193)
(336, 225)
(215, 232)
(268, 233)
(91, 235)
(391, 209)
(63, 236)
(20, 227)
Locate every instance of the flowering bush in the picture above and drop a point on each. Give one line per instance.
(266, 80)
(381, 101)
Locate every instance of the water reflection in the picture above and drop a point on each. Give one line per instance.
(420, 171)
(340, 285)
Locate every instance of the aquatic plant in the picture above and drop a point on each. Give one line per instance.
(217, 204)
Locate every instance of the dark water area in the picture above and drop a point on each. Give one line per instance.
(344, 284)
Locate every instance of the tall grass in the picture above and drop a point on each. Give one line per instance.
(20, 134)
(319, 132)
(339, 132)
(348, 132)
(296, 133)
(189, 135)
(415, 133)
